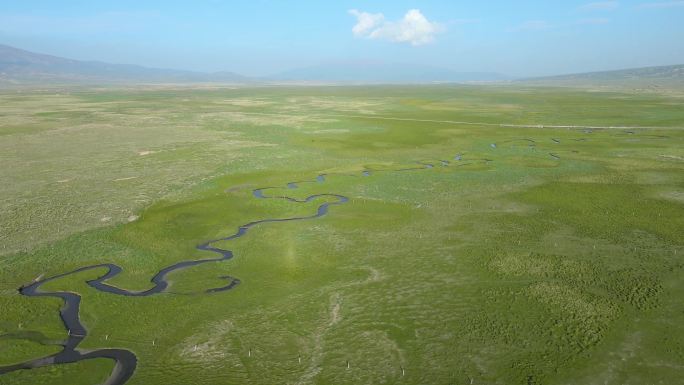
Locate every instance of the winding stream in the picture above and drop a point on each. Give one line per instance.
(125, 360)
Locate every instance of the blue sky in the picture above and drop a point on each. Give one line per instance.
(261, 37)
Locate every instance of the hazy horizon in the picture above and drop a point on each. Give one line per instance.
(531, 38)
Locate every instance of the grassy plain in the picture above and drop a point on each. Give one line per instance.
(543, 256)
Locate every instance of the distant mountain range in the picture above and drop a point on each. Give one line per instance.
(380, 72)
(20, 67)
(667, 76)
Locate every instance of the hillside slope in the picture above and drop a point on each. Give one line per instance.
(18, 66)
(661, 76)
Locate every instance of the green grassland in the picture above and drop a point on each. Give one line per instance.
(544, 256)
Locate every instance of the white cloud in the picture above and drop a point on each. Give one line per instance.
(663, 4)
(414, 28)
(366, 22)
(600, 6)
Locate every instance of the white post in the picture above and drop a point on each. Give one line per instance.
(249, 353)
(106, 337)
(347, 364)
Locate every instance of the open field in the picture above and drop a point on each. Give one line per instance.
(543, 246)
